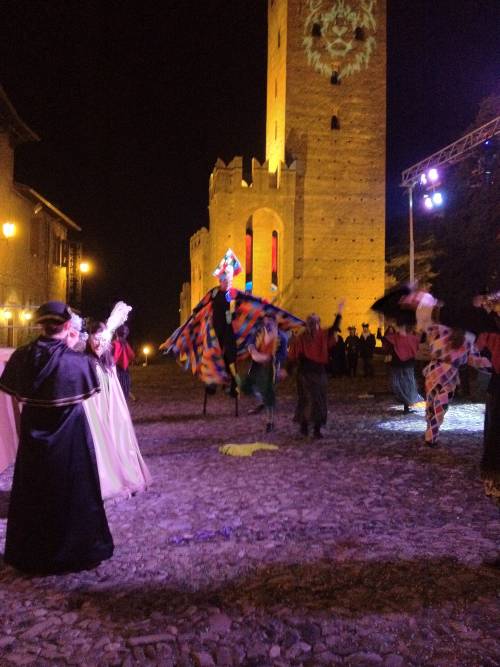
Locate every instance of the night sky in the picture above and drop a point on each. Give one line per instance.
(134, 102)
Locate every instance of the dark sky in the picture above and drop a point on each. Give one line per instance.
(134, 102)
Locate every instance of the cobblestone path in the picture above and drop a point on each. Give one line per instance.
(359, 549)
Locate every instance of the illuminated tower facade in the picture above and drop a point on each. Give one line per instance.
(309, 227)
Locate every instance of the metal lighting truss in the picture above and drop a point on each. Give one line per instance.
(455, 152)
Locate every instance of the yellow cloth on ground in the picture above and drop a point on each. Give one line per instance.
(245, 450)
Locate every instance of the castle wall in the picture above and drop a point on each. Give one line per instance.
(265, 205)
(322, 188)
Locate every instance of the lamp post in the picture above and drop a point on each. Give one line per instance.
(146, 350)
(412, 242)
(84, 268)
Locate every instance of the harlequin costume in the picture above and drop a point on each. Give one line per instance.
(441, 374)
(197, 346)
(448, 350)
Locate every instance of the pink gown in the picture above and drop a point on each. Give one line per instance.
(122, 471)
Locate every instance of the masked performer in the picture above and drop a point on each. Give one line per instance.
(218, 332)
(310, 351)
(268, 352)
(402, 346)
(56, 520)
(122, 471)
(449, 346)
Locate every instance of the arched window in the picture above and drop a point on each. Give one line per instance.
(274, 260)
(249, 259)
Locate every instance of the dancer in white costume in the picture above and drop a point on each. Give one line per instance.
(122, 471)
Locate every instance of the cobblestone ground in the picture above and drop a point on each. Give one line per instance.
(360, 549)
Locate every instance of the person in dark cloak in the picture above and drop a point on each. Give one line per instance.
(489, 342)
(366, 347)
(56, 520)
(352, 351)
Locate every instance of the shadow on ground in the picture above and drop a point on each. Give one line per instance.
(352, 589)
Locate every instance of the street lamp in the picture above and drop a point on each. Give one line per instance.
(8, 229)
(85, 267)
(146, 350)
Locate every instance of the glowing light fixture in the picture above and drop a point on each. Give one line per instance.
(8, 229)
(423, 179)
(146, 350)
(26, 316)
(428, 203)
(85, 267)
(437, 199)
(7, 314)
(433, 175)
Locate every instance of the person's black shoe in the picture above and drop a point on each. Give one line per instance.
(269, 427)
(431, 445)
(304, 429)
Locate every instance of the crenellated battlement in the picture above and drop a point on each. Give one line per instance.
(228, 178)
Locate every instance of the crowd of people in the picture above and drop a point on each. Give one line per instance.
(77, 445)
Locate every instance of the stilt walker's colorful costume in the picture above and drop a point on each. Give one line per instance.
(220, 327)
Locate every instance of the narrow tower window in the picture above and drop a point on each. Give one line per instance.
(279, 39)
(249, 260)
(274, 261)
(334, 123)
(316, 30)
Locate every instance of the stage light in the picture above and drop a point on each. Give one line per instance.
(428, 203)
(423, 179)
(437, 199)
(433, 175)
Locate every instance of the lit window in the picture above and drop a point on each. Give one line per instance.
(249, 260)
(274, 261)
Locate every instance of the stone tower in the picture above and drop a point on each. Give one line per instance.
(309, 227)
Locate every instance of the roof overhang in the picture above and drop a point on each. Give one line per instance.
(34, 196)
(13, 123)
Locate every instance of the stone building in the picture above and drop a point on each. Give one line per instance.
(37, 261)
(309, 226)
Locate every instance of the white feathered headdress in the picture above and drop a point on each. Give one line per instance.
(118, 316)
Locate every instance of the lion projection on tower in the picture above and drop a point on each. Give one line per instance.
(339, 37)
